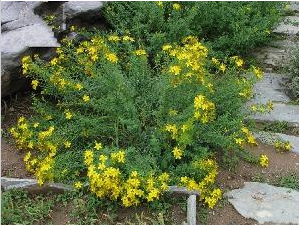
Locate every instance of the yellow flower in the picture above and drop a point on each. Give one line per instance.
(177, 153)
(239, 141)
(35, 125)
(166, 47)
(113, 38)
(67, 144)
(68, 115)
(111, 57)
(140, 52)
(27, 157)
(128, 38)
(54, 61)
(215, 61)
(264, 161)
(222, 67)
(118, 156)
(30, 145)
(288, 146)
(79, 86)
(184, 127)
(72, 28)
(175, 70)
(159, 3)
(78, 185)
(254, 108)
(80, 50)
(98, 146)
(176, 6)
(238, 61)
(86, 98)
(34, 84)
(258, 72)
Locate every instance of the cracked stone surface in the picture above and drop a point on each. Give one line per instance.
(266, 203)
(21, 29)
(31, 185)
(281, 112)
(270, 88)
(75, 8)
(289, 26)
(276, 54)
(270, 138)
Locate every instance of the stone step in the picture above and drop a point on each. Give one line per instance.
(270, 138)
(266, 203)
(275, 55)
(288, 26)
(281, 113)
(270, 88)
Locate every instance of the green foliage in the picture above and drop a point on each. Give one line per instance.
(293, 71)
(290, 181)
(227, 27)
(18, 208)
(134, 114)
(278, 127)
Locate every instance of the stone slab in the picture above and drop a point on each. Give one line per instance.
(32, 186)
(76, 8)
(270, 138)
(266, 203)
(281, 112)
(270, 88)
(289, 26)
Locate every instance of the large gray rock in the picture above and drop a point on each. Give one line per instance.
(21, 30)
(270, 88)
(270, 138)
(266, 203)
(76, 8)
(289, 26)
(276, 54)
(32, 186)
(280, 113)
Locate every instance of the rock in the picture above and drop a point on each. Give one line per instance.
(21, 30)
(282, 113)
(266, 203)
(289, 26)
(294, 6)
(270, 88)
(276, 54)
(32, 186)
(76, 8)
(269, 138)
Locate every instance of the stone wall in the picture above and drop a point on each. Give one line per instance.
(23, 32)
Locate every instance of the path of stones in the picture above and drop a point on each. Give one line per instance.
(259, 201)
(262, 202)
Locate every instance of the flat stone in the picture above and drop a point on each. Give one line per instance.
(282, 113)
(269, 138)
(276, 54)
(32, 186)
(289, 26)
(76, 8)
(266, 203)
(270, 88)
(21, 30)
(294, 6)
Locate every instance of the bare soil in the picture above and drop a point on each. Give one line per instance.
(280, 164)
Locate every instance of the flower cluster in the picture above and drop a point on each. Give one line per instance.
(40, 164)
(204, 109)
(108, 181)
(264, 161)
(282, 146)
(209, 194)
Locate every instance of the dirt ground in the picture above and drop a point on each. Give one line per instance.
(280, 164)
